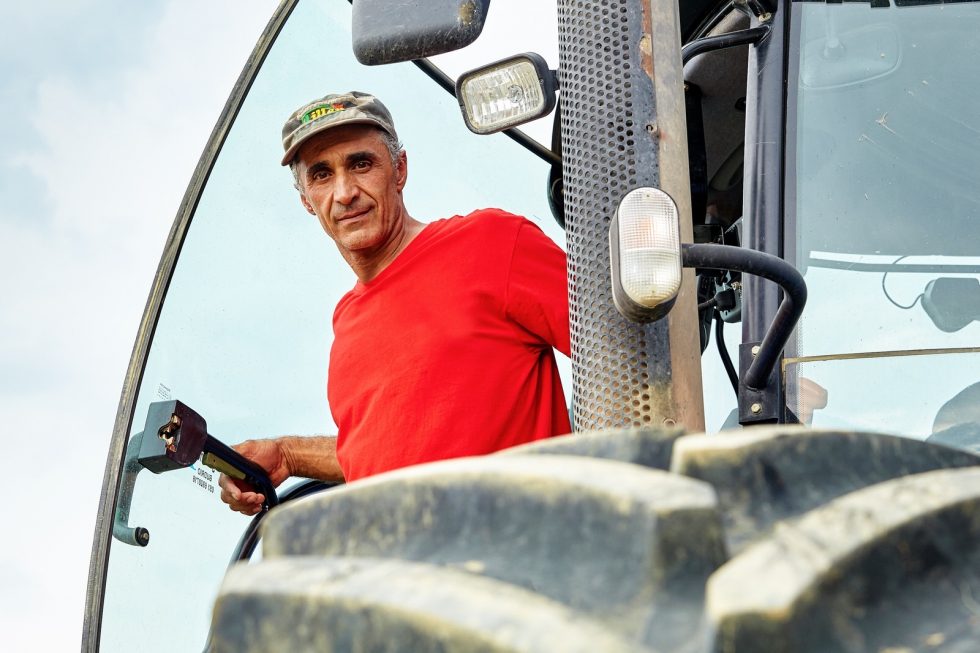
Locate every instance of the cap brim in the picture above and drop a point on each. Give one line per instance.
(291, 152)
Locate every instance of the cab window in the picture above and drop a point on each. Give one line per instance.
(245, 330)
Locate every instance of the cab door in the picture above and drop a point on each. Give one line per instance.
(238, 322)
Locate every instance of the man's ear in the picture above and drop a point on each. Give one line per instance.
(402, 171)
(306, 203)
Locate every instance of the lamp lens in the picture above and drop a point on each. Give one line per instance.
(501, 96)
(649, 246)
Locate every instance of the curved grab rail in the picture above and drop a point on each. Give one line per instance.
(121, 530)
(767, 266)
(250, 538)
(751, 36)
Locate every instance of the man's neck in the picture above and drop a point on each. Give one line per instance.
(368, 264)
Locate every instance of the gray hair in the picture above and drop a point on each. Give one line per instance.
(395, 149)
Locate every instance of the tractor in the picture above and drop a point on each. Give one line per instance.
(771, 213)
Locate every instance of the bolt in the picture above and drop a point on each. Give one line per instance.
(668, 422)
(756, 409)
(755, 350)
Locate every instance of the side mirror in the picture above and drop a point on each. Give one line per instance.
(849, 57)
(952, 302)
(390, 31)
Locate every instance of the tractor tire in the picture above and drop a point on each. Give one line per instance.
(770, 539)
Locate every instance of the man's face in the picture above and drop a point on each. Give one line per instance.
(350, 184)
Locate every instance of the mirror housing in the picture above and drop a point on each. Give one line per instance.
(391, 31)
(952, 302)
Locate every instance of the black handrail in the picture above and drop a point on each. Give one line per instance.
(767, 266)
(749, 36)
(250, 538)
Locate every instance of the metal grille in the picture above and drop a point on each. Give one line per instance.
(609, 148)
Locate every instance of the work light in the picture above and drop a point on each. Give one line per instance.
(645, 254)
(506, 93)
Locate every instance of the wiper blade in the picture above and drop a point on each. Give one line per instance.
(893, 268)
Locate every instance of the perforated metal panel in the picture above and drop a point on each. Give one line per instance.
(621, 370)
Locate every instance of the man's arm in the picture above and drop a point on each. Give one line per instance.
(314, 457)
(537, 288)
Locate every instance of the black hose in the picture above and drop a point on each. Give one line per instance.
(726, 360)
(767, 266)
(711, 303)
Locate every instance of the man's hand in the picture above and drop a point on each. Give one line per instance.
(814, 397)
(268, 455)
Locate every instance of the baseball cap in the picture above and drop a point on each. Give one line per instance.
(331, 111)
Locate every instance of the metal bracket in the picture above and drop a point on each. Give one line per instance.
(757, 406)
(761, 9)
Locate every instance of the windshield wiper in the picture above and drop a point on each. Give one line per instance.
(893, 268)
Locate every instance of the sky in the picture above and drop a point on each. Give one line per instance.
(105, 107)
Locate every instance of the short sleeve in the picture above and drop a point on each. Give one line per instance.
(537, 289)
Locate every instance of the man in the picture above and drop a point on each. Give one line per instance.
(444, 347)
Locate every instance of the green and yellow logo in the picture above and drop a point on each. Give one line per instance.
(320, 111)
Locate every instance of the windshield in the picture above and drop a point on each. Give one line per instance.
(245, 331)
(885, 110)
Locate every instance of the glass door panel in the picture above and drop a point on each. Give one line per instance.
(920, 396)
(245, 331)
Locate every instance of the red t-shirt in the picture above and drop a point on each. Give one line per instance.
(448, 352)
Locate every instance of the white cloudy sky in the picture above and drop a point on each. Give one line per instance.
(105, 106)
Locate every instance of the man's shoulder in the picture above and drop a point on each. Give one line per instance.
(486, 226)
(491, 214)
(489, 219)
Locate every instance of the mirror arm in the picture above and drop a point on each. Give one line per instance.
(528, 143)
(516, 135)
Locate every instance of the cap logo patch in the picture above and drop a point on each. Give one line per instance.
(321, 111)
